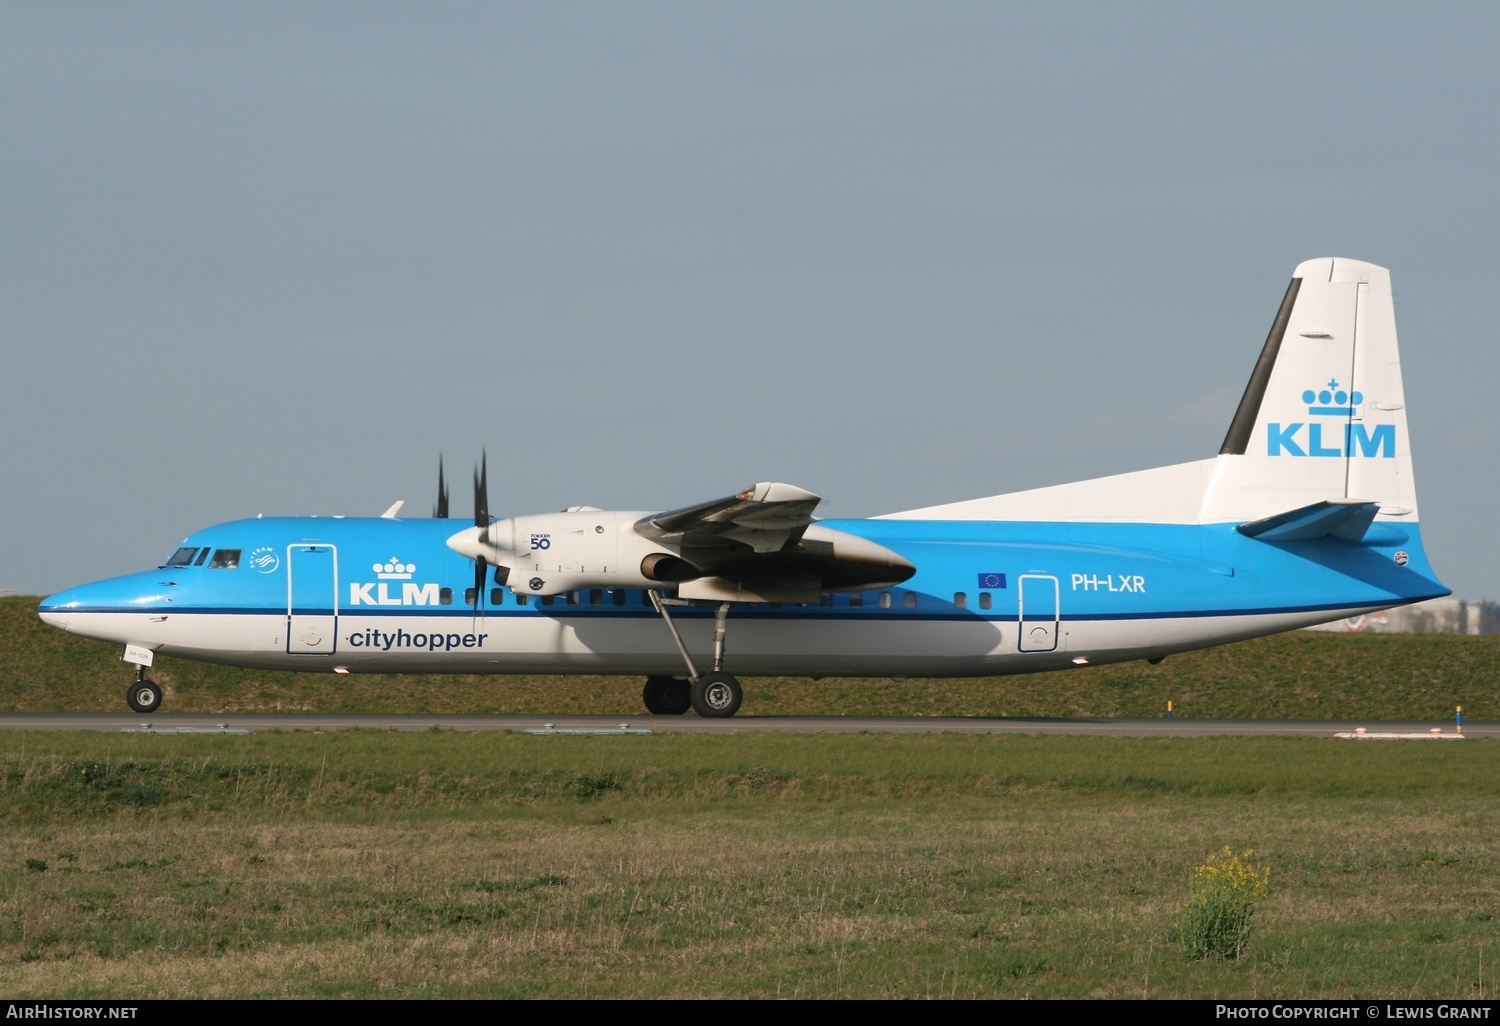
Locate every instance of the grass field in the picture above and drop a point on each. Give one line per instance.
(375, 864)
(1291, 676)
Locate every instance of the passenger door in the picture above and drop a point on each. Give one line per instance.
(312, 609)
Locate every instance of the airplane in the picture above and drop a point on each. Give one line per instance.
(1307, 514)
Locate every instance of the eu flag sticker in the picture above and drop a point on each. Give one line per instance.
(992, 580)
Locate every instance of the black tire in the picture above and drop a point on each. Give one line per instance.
(717, 695)
(667, 696)
(143, 697)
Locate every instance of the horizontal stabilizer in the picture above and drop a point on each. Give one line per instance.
(1338, 518)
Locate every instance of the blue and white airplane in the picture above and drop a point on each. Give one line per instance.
(1307, 514)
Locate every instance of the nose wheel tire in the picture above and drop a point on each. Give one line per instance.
(716, 695)
(667, 696)
(143, 696)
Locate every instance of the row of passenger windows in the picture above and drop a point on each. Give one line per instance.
(191, 555)
(229, 559)
(620, 597)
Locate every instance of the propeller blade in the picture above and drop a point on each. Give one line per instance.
(481, 570)
(482, 492)
(441, 509)
(481, 519)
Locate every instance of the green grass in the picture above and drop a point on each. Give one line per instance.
(1291, 676)
(491, 865)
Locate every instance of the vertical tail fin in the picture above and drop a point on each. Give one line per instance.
(1324, 415)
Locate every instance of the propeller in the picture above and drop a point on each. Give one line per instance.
(440, 511)
(481, 521)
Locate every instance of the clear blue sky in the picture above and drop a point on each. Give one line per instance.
(263, 257)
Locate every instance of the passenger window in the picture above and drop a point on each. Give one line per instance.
(960, 600)
(182, 557)
(572, 598)
(497, 596)
(521, 600)
(885, 600)
(827, 600)
(469, 595)
(547, 600)
(856, 600)
(596, 597)
(909, 600)
(445, 596)
(618, 596)
(984, 600)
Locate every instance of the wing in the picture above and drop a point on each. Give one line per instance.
(763, 545)
(765, 518)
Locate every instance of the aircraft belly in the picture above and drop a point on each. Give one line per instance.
(783, 646)
(604, 644)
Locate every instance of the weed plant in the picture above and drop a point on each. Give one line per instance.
(1216, 921)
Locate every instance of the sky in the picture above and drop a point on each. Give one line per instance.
(278, 257)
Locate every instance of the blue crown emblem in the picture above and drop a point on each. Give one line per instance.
(1331, 401)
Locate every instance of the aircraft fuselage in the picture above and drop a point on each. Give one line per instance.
(389, 596)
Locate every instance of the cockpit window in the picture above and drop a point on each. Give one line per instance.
(201, 557)
(183, 556)
(225, 559)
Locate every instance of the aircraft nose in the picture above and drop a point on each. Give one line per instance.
(55, 610)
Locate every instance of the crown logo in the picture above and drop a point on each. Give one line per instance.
(1331, 401)
(394, 570)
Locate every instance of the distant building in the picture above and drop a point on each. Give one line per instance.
(8, 593)
(1435, 616)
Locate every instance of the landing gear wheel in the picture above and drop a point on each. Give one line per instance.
(143, 697)
(717, 695)
(667, 696)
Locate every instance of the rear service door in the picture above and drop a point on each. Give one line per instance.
(312, 613)
(1039, 613)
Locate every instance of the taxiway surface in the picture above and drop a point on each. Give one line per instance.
(211, 723)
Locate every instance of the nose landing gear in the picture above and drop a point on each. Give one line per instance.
(143, 696)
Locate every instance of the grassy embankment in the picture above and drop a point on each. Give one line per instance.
(1294, 676)
(441, 864)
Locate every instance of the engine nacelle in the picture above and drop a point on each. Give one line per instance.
(554, 553)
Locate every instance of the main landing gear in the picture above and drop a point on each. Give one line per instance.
(143, 696)
(667, 696)
(715, 695)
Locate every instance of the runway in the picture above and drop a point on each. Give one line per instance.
(209, 723)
